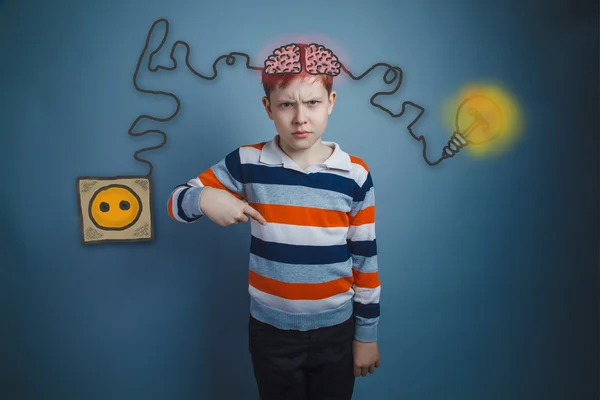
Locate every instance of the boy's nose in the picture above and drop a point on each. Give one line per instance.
(300, 117)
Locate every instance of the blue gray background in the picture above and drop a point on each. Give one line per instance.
(489, 266)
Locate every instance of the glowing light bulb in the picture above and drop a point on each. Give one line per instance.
(478, 120)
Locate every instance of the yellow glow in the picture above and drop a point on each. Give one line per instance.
(496, 106)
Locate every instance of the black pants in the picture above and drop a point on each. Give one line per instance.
(296, 365)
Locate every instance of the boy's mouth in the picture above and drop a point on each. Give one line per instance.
(300, 134)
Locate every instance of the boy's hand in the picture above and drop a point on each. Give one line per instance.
(366, 357)
(224, 209)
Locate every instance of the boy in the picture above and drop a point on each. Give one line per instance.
(313, 273)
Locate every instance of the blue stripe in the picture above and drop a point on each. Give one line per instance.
(300, 273)
(181, 185)
(360, 193)
(365, 264)
(366, 310)
(180, 211)
(293, 254)
(232, 162)
(254, 173)
(365, 248)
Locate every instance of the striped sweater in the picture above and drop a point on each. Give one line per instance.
(314, 263)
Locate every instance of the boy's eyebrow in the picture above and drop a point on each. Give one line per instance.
(290, 100)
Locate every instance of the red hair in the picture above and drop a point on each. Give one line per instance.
(271, 82)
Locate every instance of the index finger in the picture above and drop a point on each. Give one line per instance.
(255, 215)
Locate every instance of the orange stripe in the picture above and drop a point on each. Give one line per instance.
(364, 216)
(208, 178)
(170, 204)
(356, 160)
(366, 280)
(170, 207)
(258, 146)
(299, 291)
(305, 216)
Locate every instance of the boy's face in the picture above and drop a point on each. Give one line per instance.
(300, 112)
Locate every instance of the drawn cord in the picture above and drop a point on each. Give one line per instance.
(230, 59)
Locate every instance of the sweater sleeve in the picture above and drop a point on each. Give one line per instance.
(184, 201)
(363, 249)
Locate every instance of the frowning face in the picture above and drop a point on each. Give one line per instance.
(300, 112)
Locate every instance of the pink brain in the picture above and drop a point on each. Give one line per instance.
(284, 59)
(318, 60)
(321, 60)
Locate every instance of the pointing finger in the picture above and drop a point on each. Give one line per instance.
(255, 215)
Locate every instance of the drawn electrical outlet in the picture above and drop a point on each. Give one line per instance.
(115, 209)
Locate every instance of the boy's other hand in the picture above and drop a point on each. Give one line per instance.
(366, 357)
(224, 209)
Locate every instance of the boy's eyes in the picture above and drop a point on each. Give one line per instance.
(311, 102)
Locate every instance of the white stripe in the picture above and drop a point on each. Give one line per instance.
(299, 235)
(359, 174)
(195, 182)
(361, 232)
(300, 306)
(174, 208)
(367, 296)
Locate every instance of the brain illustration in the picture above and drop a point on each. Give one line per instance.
(321, 60)
(317, 60)
(284, 59)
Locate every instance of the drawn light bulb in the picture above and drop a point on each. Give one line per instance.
(478, 121)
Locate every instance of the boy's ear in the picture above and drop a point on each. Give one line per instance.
(267, 105)
(332, 98)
